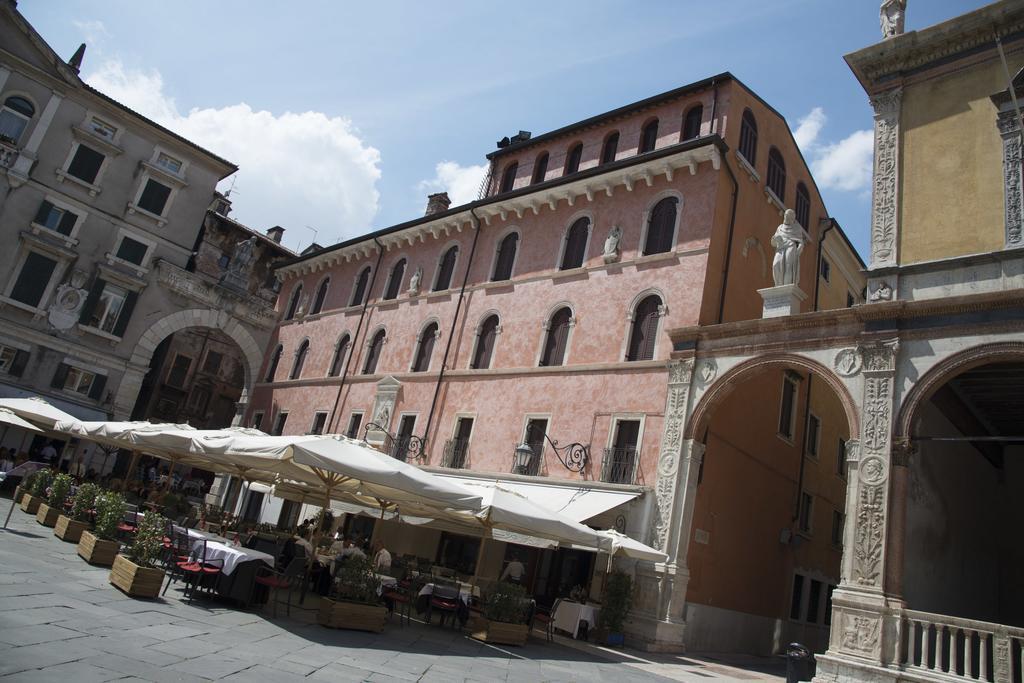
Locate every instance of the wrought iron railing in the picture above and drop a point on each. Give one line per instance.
(533, 466)
(960, 649)
(404, 448)
(619, 465)
(456, 454)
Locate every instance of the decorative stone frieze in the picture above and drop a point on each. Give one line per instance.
(680, 375)
(246, 307)
(1010, 131)
(847, 362)
(884, 204)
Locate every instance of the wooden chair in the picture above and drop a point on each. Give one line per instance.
(400, 600)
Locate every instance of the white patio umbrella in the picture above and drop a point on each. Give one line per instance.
(624, 546)
(36, 410)
(10, 419)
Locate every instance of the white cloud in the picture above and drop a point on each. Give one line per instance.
(92, 30)
(295, 169)
(462, 183)
(810, 126)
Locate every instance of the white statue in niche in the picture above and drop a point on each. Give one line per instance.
(882, 293)
(892, 17)
(383, 416)
(611, 245)
(414, 281)
(788, 242)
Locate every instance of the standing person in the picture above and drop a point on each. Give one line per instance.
(514, 571)
(48, 454)
(381, 558)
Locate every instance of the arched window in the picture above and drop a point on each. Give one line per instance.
(275, 359)
(14, 117)
(395, 281)
(644, 330)
(445, 269)
(486, 337)
(777, 174)
(337, 362)
(691, 124)
(506, 257)
(359, 291)
(508, 178)
(540, 169)
(649, 137)
(803, 206)
(748, 137)
(610, 148)
(573, 159)
(425, 348)
(321, 294)
(293, 302)
(575, 244)
(557, 339)
(300, 359)
(373, 353)
(661, 225)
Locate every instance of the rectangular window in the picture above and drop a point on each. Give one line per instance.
(797, 602)
(620, 461)
(213, 362)
(86, 163)
(850, 300)
(257, 420)
(282, 417)
(13, 361)
(354, 422)
(837, 528)
(319, 420)
(78, 381)
(814, 602)
(55, 218)
(102, 128)
(787, 413)
(33, 279)
(109, 308)
(826, 270)
(806, 511)
(841, 459)
(154, 197)
(132, 251)
(178, 373)
(813, 435)
(169, 163)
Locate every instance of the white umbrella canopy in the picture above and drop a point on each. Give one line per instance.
(37, 410)
(624, 546)
(9, 419)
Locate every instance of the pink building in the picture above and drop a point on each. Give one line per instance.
(538, 313)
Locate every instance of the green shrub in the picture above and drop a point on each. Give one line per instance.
(357, 581)
(507, 603)
(41, 482)
(59, 490)
(110, 509)
(85, 499)
(618, 598)
(149, 539)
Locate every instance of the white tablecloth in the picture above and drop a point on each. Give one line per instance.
(569, 615)
(465, 591)
(233, 556)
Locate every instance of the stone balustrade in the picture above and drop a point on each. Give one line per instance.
(248, 308)
(960, 649)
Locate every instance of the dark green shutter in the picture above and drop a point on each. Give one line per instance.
(19, 363)
(125, 314)
(44, 212)
(98, 384)
(90, 302)
(60, 376)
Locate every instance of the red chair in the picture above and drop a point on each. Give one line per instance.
(282, 580)
(399, 598)
(446, 600)
(195, 570)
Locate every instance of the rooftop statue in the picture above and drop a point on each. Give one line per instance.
(892, 15)
(788, 242)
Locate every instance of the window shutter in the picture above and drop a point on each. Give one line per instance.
(506, 256)
(60, 376)
(558, 335)
(17, 368)
(99, 382)
(126, 313)
(395, 282)
(360, 292)
(444, 277)
(650, 327)
(92, 300)
(485, 345)
(44, 212)
(425, 350)
(67, 223)
(576, 244)
(660, 226)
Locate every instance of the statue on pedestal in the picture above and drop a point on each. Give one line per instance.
(788, 242)
(611, 245)
(242, 256)
(414, 281)
(892, 16)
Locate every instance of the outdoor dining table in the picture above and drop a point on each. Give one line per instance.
(234, 556)
(569, 615)
(238, 579)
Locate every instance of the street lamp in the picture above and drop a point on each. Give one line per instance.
(524, 455)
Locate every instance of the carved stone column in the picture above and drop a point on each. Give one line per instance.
(885, 192)
(1009, 130)
(861, 625)
(903, 452)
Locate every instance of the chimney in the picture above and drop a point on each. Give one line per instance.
(275, 233)
(76, 59)
(437, 203)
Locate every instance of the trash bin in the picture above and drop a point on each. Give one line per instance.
(799, 663)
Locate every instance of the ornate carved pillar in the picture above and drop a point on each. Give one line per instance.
(1009, 130)
(885, 192)
(860, 627)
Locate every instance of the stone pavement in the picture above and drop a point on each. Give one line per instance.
(61, 620)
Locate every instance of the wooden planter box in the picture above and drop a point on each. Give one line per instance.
(352, 615)
(139, 582)
(69, 530)
(96, 550)
(46, 515)
(500, 632)
(30, 504)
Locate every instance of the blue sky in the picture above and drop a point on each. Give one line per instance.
(344, 115)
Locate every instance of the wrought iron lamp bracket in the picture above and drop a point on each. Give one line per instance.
(573, 456)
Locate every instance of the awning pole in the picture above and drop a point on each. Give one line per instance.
(170, 475)
(132, 464)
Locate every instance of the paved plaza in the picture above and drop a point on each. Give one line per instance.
(60, 620)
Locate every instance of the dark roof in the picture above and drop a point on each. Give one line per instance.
(256, 233)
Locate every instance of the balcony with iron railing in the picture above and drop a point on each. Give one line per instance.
(455, 454)
(620, 465)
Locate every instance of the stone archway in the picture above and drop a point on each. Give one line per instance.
(138, 365)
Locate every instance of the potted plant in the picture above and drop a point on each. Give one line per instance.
(50, 510)
(358, 605)
(618, 598)
(505, 616)
(136, 573)
(70, 528)
(37, 491)
(99, 545)
(23, 488)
